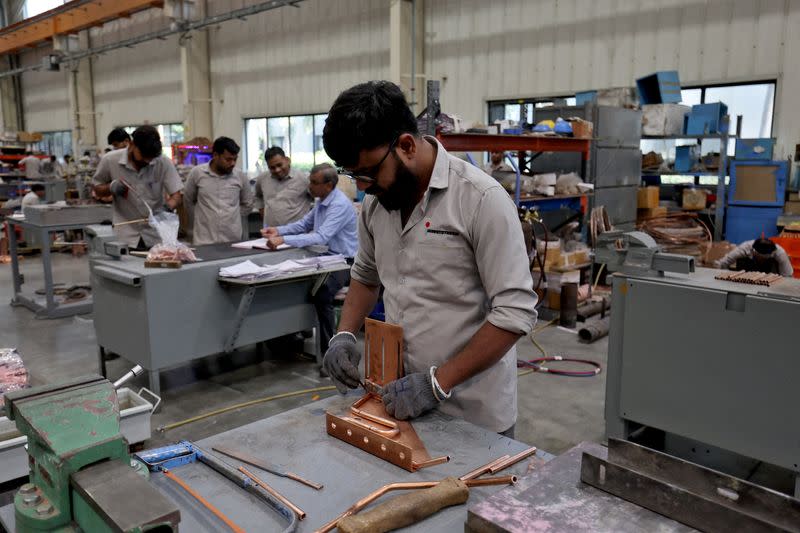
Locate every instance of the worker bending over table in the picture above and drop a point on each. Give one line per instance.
(34, 196)
(445, 241)
(760, 255)
(332, 222)
(142, 166)
(220, 194)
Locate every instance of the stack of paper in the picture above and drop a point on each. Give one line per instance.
(247, 270)
(259, 244)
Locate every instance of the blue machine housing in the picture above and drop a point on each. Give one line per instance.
(781, 171)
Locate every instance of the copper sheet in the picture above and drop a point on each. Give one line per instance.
(383, 346)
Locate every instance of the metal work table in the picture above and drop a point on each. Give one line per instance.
(297, 441)
(46, 307)
(165, 317)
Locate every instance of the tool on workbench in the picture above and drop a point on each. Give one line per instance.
(299, 512)
(263, 465)
(81, 476)
(469, 479)
(185, 452)
(367, 425)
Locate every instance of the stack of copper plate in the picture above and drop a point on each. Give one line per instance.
(751, 278)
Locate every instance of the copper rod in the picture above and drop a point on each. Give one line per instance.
(206, 503)
(295, 509)
(430, 462)
(137, 221)
(524, 454)
(389, 433)
(363, 502)
(483, 469)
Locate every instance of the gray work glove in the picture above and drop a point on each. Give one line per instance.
(409, 396)
(118, 189)
(341, 362)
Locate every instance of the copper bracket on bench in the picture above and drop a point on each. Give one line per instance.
(367, 425)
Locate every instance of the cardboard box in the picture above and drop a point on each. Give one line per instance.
(643, 214)
(663, 119)
(794, 196)
(581, 129)
(556, 279)
(717, 251)
(647, 197)
(694, 199)
(792, 207)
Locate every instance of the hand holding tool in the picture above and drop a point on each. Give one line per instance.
(341, 361)
(409, 396)
(118, 189)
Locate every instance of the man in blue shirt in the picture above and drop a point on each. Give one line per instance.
(333, 223)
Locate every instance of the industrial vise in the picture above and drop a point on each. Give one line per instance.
(81, 475)
(637, 252)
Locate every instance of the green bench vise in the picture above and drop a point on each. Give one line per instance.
(81, 475)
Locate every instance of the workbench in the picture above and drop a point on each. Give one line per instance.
(160, 318)
(297, 441)
(48, 306)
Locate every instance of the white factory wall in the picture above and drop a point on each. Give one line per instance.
(522, 48)
(136, 85)
(45, 99)
(294, 60)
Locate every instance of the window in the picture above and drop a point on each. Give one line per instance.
(57, 143)
(37, 7)
(513, 109)
(170, 134)
(753, 101)
(300, 136)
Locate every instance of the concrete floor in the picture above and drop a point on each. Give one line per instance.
(555, 412)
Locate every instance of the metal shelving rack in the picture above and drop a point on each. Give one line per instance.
(722, 172)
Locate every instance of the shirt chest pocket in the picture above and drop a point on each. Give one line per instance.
(444, 265)
(229, 194)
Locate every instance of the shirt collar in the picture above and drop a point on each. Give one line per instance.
(288, 176)
(440, 177)
(124, 161)
(328, 199)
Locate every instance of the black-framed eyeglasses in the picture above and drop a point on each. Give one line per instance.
(368, 175)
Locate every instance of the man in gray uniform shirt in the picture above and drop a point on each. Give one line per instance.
(282, 193)
(154, 180)
(220, 194)
(445, 241)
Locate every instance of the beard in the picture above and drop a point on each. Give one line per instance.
(400, 194)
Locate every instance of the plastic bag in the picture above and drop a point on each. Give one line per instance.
(13, 375)
(169, 249)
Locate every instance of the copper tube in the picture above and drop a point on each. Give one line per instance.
(389, 433)
(299, 512)
(292, 475)
(368, 416)
(513, 460)
(430, 462)
(483, 469)
(228, 522)
(363, 502)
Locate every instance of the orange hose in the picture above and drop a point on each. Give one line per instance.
(206, 503)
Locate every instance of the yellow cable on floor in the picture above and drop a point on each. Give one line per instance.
(174, 425)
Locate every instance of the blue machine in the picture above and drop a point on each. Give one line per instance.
(705, 119)
(660, 88)
(755, 199)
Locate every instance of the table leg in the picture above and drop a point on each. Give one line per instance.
(12, 250)
(47, 268)
(155, 381)
(101, 355)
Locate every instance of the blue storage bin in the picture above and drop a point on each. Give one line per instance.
(585, 96)
(754, 149)
(706, 118)
(748, 223)
(685, 158)
(660, 88)
(758, 183)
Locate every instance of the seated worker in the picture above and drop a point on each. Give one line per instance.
(35, 196)
(331, 222)
(119, 138)
(760, 255)
(496, 163)
(220, 194)
(282, 193)
(142, 166)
